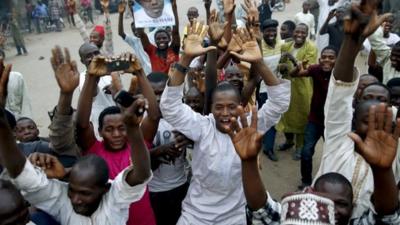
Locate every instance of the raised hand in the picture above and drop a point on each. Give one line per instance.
(250, 7)
(5, 74)
(233, 46)
(50, 165)
(98, 66)
(134, 63)
(133, 85)
(181, 141)
(194, 41)
(229, 7)
(121, 7)
(363, 20)
(199, 80)
(116, 83)
(332, 14)
(131, 117)
(250, 49)
(65, 70)
(216, 29)
(207, 3)
(379, 148)
(247, 140)
(104, 4)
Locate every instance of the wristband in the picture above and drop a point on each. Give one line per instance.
(180, 68)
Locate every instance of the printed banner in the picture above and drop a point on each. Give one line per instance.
(150, 14)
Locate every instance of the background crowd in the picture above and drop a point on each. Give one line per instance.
(181, 143)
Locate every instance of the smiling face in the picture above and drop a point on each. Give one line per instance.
(113, 131)
(300, 35)
(153, 8)
(269, 35)
(327, 60)
(162, 40)
(387, 27)
(224, 108)
(96, 39)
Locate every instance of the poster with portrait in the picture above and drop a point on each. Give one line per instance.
(153, 13)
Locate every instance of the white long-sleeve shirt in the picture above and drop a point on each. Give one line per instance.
(215, 195)
(51, 196)
(307, 19)
(100, 101)
(382, 52)
(339, 153)
(18, 101)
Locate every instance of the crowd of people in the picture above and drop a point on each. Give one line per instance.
(181, 144)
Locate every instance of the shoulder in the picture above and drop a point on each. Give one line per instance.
(313, 69)
(311, 45)
(16, 75)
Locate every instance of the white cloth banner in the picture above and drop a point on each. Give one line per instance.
(148, 14)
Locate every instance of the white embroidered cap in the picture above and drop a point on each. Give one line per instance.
(307, 209)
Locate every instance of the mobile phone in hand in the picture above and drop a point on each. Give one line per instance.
(117, 65)
(125, 99)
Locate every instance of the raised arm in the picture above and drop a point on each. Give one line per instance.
(62, 130)
(85, 132)
(379, 47)
(364, 22)
(216, 33)
(278, 90)
(324, 28)
(193, 48)
(149, 124)
(80, 25)
(139, 153)
(176, 39)
(11, 157)
(251, 53)
(229, 14)
(121, 10)
(179, 115)
(379, 149)
(108, 42)
(207, 6)
(5, 70)
(247, 142)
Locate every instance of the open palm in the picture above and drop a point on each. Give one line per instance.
(65, 70)
(364, 20)
(380, 145)
(247, 140)
(193, 43)
(250, 49)
(216, 29)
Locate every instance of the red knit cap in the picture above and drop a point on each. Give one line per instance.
(99, 29)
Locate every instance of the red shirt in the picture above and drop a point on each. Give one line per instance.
(140, 213)
(320, 90)
(159, 64)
